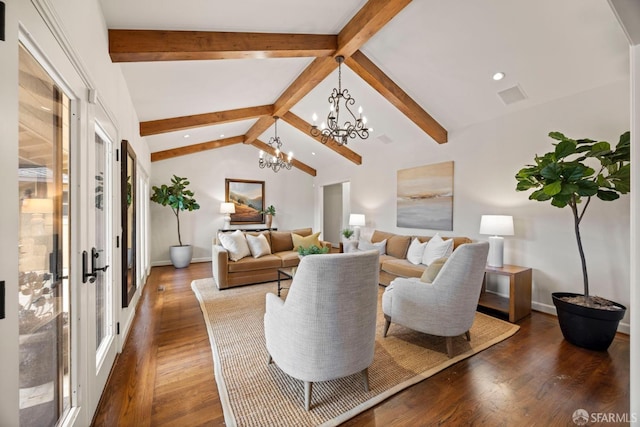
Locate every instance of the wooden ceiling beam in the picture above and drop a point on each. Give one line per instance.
(155, 127)
(368, 21)
(160, 45)
(373, 16)
(294, 162)
(196, 148)
(378, 80)
(305, 127)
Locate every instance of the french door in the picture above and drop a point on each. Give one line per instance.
(67, 291)
(44, 180)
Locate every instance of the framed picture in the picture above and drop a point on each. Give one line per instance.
(248, 196)
(425, 197)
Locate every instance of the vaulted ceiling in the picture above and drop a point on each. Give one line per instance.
(220, 71)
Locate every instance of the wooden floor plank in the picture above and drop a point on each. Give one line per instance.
(164, 376)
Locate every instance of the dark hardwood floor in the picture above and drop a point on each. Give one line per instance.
(164, 376)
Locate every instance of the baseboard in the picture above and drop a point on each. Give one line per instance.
(168, 262)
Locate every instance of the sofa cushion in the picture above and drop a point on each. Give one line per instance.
(288, 258)
(403, 268)
(258, 245)
(249, 263)
(281, 241)
(432, 270)
(397, 244)
(303, 231)
(236, 244)
(305, 241)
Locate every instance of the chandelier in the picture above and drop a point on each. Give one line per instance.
(277, 160)
(354, 126)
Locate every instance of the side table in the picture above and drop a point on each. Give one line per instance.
(518, 305)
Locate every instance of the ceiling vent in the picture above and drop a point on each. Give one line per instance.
(512, 95)
(384, 139)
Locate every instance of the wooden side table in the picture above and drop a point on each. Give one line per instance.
(518, 305)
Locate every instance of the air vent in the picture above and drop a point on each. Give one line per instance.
(384, 139)
(512, 95)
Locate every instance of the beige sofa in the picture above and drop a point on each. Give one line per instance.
(394, 263)
(249, 270)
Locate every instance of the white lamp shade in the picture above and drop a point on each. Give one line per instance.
(356, 219)
(227, 208)
(496, 225)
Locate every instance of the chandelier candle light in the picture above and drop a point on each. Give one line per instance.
(497, 225)
(277, 160)
(332, 129)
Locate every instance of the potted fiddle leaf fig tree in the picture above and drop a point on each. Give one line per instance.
(571, 175)
(178, 198)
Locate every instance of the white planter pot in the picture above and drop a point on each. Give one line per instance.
(181, 255)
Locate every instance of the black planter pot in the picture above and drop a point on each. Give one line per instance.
(587, 327)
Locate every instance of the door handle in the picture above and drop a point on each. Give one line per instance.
(94, 256)
(87, 276)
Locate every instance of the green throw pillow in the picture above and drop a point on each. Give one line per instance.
(432, 270)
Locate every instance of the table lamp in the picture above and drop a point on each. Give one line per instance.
(356, 221)
(227, 209)
(497, 226)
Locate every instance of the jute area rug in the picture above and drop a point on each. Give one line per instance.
(254, 393)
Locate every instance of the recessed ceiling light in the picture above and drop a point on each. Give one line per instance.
(313, 153)
(222, 135)
(186, 136)
(498, 76)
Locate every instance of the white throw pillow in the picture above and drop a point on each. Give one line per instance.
(437, 248)
(415, 252)
(365, 245)
(236, 244)
(258, 245)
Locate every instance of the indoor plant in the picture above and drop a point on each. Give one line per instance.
(269, 213)
(178, 198)
(312, 250)
(570, 175)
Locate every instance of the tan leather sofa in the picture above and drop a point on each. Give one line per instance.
(394, 263)
(249, 270)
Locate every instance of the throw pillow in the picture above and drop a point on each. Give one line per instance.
(432, 271)
(305, 241)
(415, 252)
(365, 245)
(437, 248)
(236, 244)
(258, 245)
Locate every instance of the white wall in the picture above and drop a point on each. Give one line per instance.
(487, 156)
(290, 191)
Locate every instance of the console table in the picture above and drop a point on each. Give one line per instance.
(518, 305)
(222, 230)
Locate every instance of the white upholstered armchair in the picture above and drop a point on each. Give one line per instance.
(326, 327)
(446, 307)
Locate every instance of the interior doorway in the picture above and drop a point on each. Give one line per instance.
(336, 208)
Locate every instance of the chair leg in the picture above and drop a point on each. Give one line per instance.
(467, 335)
(365, 377)
(387, 323)
(308, 385)
(269, 360)
(449, 347)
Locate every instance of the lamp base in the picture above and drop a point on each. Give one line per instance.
(227, 221)
(496, 252)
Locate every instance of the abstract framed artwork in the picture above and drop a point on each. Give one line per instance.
(425, 197)
(248, 197)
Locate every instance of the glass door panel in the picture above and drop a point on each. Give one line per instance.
(43, 180)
